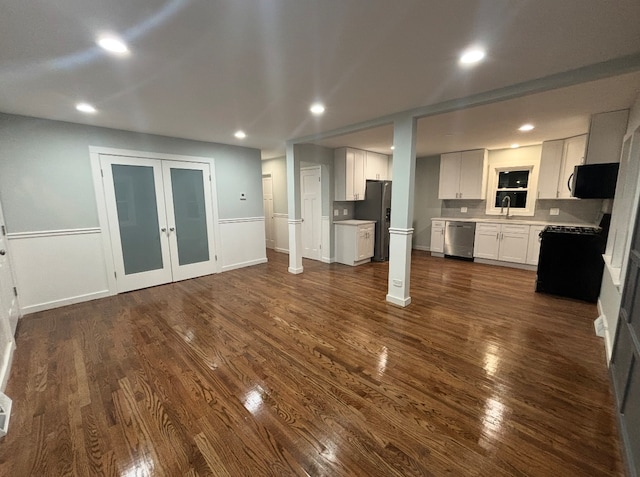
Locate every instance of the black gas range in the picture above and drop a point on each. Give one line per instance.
(570, 263)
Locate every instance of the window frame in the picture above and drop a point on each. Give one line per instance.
(532, 188)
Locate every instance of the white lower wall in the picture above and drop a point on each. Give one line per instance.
(609, 306)
(58, 267)
(242, 242)
(281, 227)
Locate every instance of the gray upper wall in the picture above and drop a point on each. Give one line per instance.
(45, 171)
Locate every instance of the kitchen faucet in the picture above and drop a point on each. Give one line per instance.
(508, 200)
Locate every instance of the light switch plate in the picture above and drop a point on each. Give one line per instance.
(336, 212)
(345, 211)
(554, 211)
(463, 210)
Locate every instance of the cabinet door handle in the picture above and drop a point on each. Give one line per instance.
(569, 183)
(497, 235)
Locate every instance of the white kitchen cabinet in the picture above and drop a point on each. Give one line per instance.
(514, 240)
(437, 236)
(557, 162)
(354, 241)
(487, 241)
(377, 166)
(572, 155)
(505, 242)
(349, 174)
(463, 175)
(533, 249)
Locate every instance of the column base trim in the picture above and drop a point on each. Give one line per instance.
(399, 301)
(296, 271)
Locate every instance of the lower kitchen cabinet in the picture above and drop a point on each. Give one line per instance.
(437, 236)
(354, 241)
(505, 242)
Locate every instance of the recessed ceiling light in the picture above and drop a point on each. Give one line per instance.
(317, 109)
(113, 44)
(85, 108)
(240, 134)
(472, 56)
(515, 146)
(526, 127)
(393, 147)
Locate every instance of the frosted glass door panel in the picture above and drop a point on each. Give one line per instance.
(191, 221)
(137, 218)
(187, 189)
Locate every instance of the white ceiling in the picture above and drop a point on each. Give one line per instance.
(202, 69)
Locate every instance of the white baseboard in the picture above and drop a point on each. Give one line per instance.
(249, 263)
(328, 260)
(282, 250)
(500, 263)
(437, 254)
(296, 271)
(64, 302)
(424, 248)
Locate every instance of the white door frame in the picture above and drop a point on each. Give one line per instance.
(7, 330)
(96, 173)
(269, 221)
(318, 222)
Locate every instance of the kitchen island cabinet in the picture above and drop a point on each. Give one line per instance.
(354, 241)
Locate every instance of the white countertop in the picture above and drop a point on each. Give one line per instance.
(501, 220)
(354, 222)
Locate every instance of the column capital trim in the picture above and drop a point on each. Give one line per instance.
(400, 231)
(295, 221)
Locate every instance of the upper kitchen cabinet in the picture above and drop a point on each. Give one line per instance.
(557, 162)
(376, 166)
(463, 175)
(349, 173)
(606, 135)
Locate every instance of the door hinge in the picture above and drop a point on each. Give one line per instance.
(320, 246)
(115, 275)
(216, 257)
(4, 230)
(318, 179)
(15, 291)
(101, 173)
(209, 177)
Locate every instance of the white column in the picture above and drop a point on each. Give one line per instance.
(295, 215)
(401, 230)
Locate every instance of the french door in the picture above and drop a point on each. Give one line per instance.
(160, 220)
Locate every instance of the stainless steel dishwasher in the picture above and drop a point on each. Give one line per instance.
(458, 239)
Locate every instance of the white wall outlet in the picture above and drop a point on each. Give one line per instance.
(396, 282)
(336, 212)
(463, 210)
(345, 211)
(243, 196)
(554, 211)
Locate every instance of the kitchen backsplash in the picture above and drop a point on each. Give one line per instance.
(571, 210)
(340, 207)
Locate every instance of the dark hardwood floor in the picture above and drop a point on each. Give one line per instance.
(258, 372)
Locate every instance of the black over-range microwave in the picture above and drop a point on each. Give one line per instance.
(595, 181)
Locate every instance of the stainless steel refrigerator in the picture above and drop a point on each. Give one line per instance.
(377, 206)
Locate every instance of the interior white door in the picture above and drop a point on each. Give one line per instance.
(189, 218)
(267, 200)
(160, 220)
(9, 309)
(310, 192)
(134, 193)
